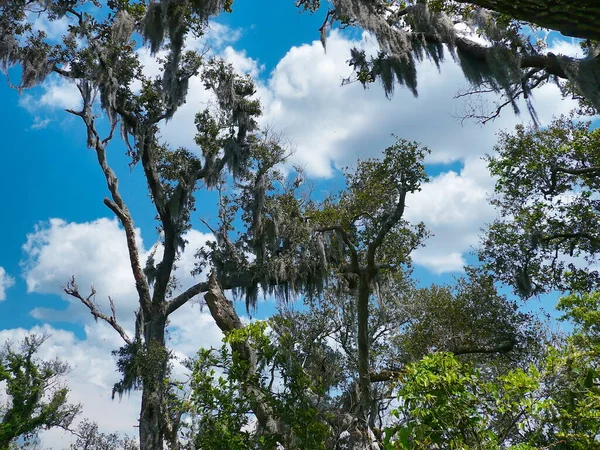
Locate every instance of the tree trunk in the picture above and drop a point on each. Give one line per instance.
(152, 426)
(227, 319)
(580, 19)
(364, 379)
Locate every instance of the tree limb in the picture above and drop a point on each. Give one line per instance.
(72, 289)
(577, 19)
(228, 320)
(387, 225)
(117, 204)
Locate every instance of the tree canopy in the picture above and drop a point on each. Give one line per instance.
(36, 397)
(369, 360)
(498, 45)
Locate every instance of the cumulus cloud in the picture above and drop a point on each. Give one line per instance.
(6, 281)
(57, 93)
(333, 125)
(454, 207)
(96, 254)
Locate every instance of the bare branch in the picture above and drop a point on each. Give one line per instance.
(73, 290)
(117, 204)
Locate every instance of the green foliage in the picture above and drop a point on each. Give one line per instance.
(470, 319)
(36, 400)
(448, 404)
(547, 193)
(222, 401)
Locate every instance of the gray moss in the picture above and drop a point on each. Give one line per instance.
(585, 75)
(122, 28)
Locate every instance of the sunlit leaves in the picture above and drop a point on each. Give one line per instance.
(37, 400)
(547, 192)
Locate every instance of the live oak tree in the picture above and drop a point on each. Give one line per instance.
(547, 195)
(35, 397)
(469, 319)
(308, 371)
(513, 62)
(368, 227)
(98, 54)
(277, 251)
(553, 403)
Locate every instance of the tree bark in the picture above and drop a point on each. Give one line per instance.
(227, 319)
(152, 415)
(580, 19)
(364, 379)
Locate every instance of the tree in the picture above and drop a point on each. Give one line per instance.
(547, 191)
(89, 438)
(552, 403)
(512, 63)
(223, 407)
(446, 403)
(36, 399)
(98, 55)
(470, 320)
(368, 225)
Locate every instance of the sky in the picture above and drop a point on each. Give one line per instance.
(56, 225)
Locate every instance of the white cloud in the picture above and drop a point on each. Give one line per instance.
(241, 62)
(57, 93)
(54, 29)
(96, 254)
(39, 123)
(454, 207)
(6, 281)
(220, 35)
(335, 124)
(563, 46)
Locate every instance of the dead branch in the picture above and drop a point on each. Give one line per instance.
(73, 290)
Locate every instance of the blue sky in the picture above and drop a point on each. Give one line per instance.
(48, 173)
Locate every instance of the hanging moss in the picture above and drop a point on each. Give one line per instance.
(34, 61)
(424, 31)
(585, 74)
(122, 28)
(153, 26)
